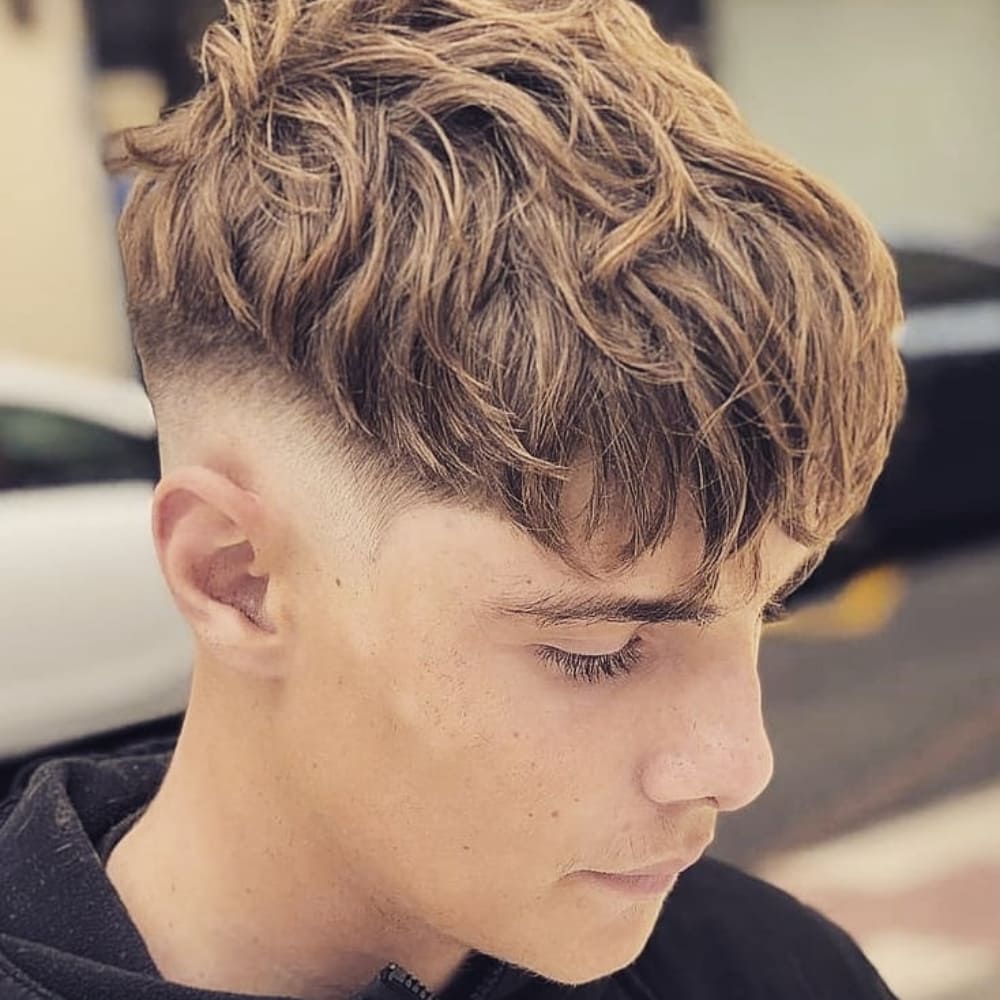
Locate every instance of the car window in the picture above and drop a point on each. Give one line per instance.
(39, 448)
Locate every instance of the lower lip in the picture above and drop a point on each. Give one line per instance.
(635, 885)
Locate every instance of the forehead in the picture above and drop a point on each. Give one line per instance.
(476, 558)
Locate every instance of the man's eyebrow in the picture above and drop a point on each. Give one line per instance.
(560, 608)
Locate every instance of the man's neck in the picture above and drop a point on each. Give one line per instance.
(228, 902)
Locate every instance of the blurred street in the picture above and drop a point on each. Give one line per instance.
(885, 807)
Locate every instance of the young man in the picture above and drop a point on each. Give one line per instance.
(505, 384)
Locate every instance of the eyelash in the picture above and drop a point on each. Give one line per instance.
(593, 669)
(774, 611)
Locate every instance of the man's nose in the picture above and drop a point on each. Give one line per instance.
(711, 741)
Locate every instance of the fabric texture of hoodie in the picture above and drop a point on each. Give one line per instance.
(65, 934)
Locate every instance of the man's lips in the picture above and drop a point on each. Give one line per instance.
(655, 880)
(672, 866)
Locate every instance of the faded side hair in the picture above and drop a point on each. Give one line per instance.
(489, 241)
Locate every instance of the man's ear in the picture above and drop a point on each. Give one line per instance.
(212, 539)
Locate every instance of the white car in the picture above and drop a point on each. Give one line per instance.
(90, 639)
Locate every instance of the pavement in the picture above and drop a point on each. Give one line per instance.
(919, 892)
(884, 710)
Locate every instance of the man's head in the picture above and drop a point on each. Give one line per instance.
(490, 351)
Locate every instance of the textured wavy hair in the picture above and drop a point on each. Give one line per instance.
(489, 241)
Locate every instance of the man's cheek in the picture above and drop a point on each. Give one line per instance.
(431, 719)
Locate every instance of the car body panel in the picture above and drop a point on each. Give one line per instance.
(91, 638)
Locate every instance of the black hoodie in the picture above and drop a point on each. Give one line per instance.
(65, 935)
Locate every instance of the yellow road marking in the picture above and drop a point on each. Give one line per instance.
(862, 607)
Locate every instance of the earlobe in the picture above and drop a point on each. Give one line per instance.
(209, 532)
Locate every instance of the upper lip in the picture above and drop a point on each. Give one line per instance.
(672, 866)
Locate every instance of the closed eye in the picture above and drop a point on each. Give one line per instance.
(592, 669)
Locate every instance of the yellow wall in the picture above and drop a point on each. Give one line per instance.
(60, 293)
(898, 101)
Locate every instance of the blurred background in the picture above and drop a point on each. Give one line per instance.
(883, 687)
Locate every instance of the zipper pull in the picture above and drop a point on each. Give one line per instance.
(396, 976)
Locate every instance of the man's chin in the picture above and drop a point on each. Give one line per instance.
(585, 969)
(605, 947)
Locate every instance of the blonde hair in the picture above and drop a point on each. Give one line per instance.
(488, 240)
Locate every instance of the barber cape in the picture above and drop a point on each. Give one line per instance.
(65, 934)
